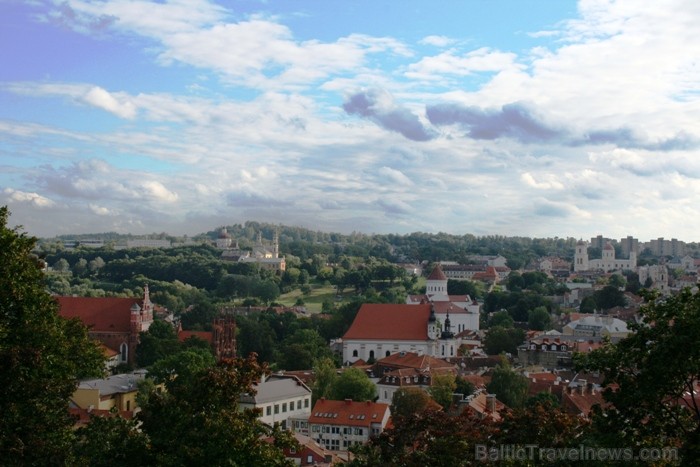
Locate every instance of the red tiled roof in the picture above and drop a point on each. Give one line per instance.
(390, 322)
(413, 360)
(101, 314)
(348, 412)
(206, 336)
(437, 274)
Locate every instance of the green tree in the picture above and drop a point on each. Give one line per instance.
(61, 265)
(325, 375)
(441, 389)
(499, 340)
(158, 342)
(41, 357)
(588, 305)
(200, 423)
(654, 371)
(508, 386)
(609, 297)
(354, 384)
(181, 367)
(80, 267)
(409, 401)
(539, 319)
(501, 318)
(617, 280)
(111, 442)
(464, 387)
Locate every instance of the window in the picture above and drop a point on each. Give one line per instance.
(306, 403)
(284, 407)
(124, 351)
(128, 405)
(268, 410)
(298, 404)
(388, 353)
(277, 408)
(371, 354)
(309, 459)
(354, 353)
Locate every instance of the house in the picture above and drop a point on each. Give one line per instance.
(554, 352)
(407, 369)
(338, 425)
(381, 329)
(487, 406)
(115, 322)
(310, 453)
(596, 326)
(282, 400)
(113, 393)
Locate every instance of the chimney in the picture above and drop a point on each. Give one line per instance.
(348, 401)
(369, 403)
(582, 383)
(491, 402)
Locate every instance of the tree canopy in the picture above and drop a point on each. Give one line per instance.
(41, 357)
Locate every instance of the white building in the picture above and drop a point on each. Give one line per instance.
(338, 425)
(380, 330)
(607, 263)
(280, 398)
(462, 310)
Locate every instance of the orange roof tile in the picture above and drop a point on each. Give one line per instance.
(100, 314)
(413, 360)
(390, 322)
(348, 412)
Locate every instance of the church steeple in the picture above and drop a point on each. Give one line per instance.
(446, 332)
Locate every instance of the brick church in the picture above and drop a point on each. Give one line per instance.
(115, 322)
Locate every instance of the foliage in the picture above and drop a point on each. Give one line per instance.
(441, 389)
(158, 342)
(654, 372)
(354, 384)
(427, 438)
(464, 387)
(200, 424)
(508, 386)
(302, 348)
(501, 318)
(181, 367)
(41, 356)
(325, 375)
(409, 400)
(609, 297)
(499, 340)
(539, 319)
(111, 442)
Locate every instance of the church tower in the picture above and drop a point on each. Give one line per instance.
(581, 256)
(436, 285)
(276, 245)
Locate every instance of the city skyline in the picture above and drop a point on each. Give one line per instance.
(516, 118)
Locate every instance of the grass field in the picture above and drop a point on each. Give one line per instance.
(314, 300)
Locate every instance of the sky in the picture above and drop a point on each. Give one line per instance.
(486, 117)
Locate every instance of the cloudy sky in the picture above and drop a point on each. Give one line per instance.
(521, 117)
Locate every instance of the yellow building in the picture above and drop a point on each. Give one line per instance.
(116, 393)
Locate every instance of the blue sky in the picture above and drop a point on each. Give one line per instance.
(534, 118)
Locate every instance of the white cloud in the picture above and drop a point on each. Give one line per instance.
(159, 192)
(100, 98)
(34, 199)
(549, 181)
(437, 41)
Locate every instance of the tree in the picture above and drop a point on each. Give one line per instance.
(41, 357)
(409, 401)
(325, 375)
(508, 386)
(655, 372)
(539, 319)
(499, 340)
(61, 265)
(588, 305)
(158, 342)
(609, 297)
(181, 367)
(200, 423)
(96, 264)
(464, 387)
(441, 389)
(501, 318)
(354, 384)
(111, 441)
(617, 280)
(80, 267)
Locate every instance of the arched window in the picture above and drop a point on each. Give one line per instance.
(124, 351)
(371, 354)
(388, 353)
(443, 350)
(354, 353)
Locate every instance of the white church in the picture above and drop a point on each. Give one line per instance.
(607, 263)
